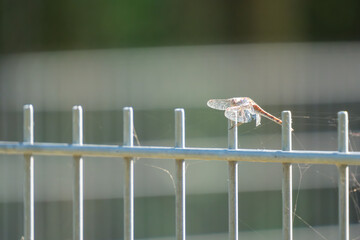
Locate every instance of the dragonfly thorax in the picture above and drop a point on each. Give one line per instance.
(240, 101)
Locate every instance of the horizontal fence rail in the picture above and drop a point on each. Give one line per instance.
(28, 148)
(244, 155)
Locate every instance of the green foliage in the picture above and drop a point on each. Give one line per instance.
(64, 25)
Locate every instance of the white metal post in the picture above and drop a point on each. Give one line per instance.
(233, 183)
(343, 136)
(287, 212)
(29, 174)
(180, 175)
(129, 176)
(28, 148)
(78, 169)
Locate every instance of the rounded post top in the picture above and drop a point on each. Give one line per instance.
(128, 128)
(28, 128)
(286, 112)
(77, 108)
(179, 127)
(28, 107)
(77, 124)
(342, 113)
(286, 118)
(286, 129)
(128, 109)
(343, 131)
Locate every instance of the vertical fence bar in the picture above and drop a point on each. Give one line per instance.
(180, 175)
(78, 168)
(343, 133)
(287, 214)
(29, 175)
(233, 183)
(129, 176)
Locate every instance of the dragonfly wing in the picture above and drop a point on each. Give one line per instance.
(258, 119)
(239, 114)
(219, 104)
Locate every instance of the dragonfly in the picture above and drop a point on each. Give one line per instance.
(241, 110)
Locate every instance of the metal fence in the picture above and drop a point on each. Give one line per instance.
(341, 158)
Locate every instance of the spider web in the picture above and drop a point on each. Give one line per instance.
(322, 120)
(328, 120)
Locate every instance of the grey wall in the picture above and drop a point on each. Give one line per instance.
(169, 77)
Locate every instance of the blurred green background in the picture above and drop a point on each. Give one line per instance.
(64, 25)
(301, 56)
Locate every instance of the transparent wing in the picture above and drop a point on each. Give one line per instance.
(258, 119)
(240, 114)
(219, 104)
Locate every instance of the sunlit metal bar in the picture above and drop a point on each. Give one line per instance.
(244, 155)
(129, 175)
(343, 134)
(180, 175)
(233, 183)
(222, 154)
(78, 188)
(287, 214)
(29, 174)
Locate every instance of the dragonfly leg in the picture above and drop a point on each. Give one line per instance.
(233, 125)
